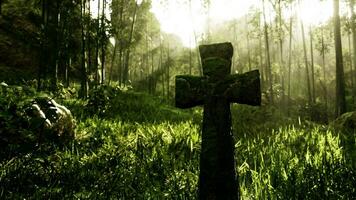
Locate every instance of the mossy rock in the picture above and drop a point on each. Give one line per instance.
(52, 119)
(346, 122)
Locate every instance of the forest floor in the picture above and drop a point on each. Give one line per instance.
(131, 145)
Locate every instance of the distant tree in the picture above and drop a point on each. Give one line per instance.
(310, 99)
(290, 61)
(340, 80)
(277, 5)
(84, 74)
(323, 47)
(353, 31)
(268, 57)
(125, 76)
(312, 65)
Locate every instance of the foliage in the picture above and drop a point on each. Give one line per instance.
(293, 163)
(144, 149)
(131, 145)
(145, 161)
(15, 130)
(23, 127)
(110, 102)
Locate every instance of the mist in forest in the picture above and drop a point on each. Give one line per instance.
(177, 99)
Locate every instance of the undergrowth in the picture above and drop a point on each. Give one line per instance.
(134, 146)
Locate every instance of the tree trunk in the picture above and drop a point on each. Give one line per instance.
(280, 36)
(84, 81)
(152, 72)
(168, 66)
(97, 41)
(146, 58)
(161, 64)
(68, 66)
(248, 44)
(324, 67)
(261, 54)
(190, 57)
(351, 67)
(208, 37)
(353, 29)
(310, 101)
(103, 42)
(269, 70)
(120, 64)
(90, 64)
(200, 69)
(127, 56)
(312, 65)
(56, 49)
(290, 62)
(113, 59)
(43, 43)
(340, 80)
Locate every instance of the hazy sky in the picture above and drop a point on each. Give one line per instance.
(175, 16)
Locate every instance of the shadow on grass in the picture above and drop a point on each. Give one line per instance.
(131, 107)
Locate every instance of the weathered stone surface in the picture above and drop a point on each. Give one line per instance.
(346, 122)
(215, 91)
(47, 116)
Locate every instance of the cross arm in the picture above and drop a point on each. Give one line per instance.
(189, 91)
(243, 88)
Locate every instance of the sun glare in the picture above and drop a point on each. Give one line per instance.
(314, 12)
(175, 16)
(189, 22)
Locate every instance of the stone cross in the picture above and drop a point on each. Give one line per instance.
(215, 91)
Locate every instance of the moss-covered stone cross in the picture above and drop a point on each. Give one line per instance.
(215, 91)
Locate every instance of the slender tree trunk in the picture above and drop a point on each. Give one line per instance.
(324, 66)
(269, 70)
(290, 62)
(146, 60)
(340, 80)
(84, 81)
(113, 59)
(127, 56)
(161, 64)
(310, 101)
(97, 41)
(103, 42)
(68, 67)
(282, 71)
(353, 29)
(42, 64)
(196, 40)
(261, 53)
(312, 65)
(351, 67)
(168, 68)
(248, 44)
(89, 37)
(233, 64)
(152, 72)
(120, 64)
(190, 57)
(54, 50)
(208, 38)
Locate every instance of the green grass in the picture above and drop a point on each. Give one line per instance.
(142, 148)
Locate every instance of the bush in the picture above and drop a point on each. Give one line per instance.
(25, 121)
